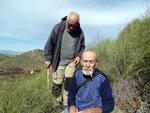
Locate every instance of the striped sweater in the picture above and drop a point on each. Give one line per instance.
(96, 93)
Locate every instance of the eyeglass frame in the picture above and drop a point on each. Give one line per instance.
(71, 25)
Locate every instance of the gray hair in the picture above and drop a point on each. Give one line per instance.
(91, 51)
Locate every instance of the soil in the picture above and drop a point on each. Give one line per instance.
(11, 71)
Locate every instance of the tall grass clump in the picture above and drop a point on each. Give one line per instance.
(129, 55)
(26, 95)
(106, 51)
(134, 53)
(133, 45)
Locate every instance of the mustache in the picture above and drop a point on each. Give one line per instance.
(85, 68)
(90, 71)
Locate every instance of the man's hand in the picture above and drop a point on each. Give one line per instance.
(77, 60)
(48, 63)
(73, 109)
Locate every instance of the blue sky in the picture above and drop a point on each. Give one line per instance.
(26, 24)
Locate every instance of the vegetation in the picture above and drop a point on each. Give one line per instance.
(31, 60)
(126, 57)
(129, 55)
(3, 57)
(28, 94)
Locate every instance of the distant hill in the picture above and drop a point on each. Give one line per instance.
(10, 52)
(30, 60)
(3, 57)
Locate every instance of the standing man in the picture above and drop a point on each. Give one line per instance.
(63, 50)
(96, 95)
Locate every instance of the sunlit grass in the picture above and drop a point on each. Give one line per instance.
(127, 56)
(25, 95)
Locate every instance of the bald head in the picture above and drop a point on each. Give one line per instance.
(73, 17)
(88, 61)
(90, 53)
(72, 21)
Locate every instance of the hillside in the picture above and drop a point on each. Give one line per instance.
(3, 57)
(127, 63)
(124, 60)
(30, 60)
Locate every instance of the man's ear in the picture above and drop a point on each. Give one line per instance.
(96, 63)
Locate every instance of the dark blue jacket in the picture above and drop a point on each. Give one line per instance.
(96, 93)
(53, 44)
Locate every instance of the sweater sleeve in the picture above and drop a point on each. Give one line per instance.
(107, 98)
(72, 92)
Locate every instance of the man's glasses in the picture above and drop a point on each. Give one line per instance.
(72, 25)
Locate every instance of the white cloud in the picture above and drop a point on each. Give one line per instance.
(34, 19)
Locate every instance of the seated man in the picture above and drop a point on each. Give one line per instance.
(96, 95)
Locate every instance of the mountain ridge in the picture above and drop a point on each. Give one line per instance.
(10, 52)
(33, 59)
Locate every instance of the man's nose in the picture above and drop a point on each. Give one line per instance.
(88, 64)
(71, 28)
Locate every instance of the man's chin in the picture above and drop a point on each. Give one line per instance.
(70, 30)
(86, 72)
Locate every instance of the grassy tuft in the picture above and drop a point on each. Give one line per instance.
(22, 95)
(129, 55)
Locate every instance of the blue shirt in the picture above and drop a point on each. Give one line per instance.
(96, 93)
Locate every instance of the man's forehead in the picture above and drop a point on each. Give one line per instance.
(73, 20)
(88, 60)
(89, 54)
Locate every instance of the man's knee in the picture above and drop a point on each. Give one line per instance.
(56, 89)
(67, 83)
